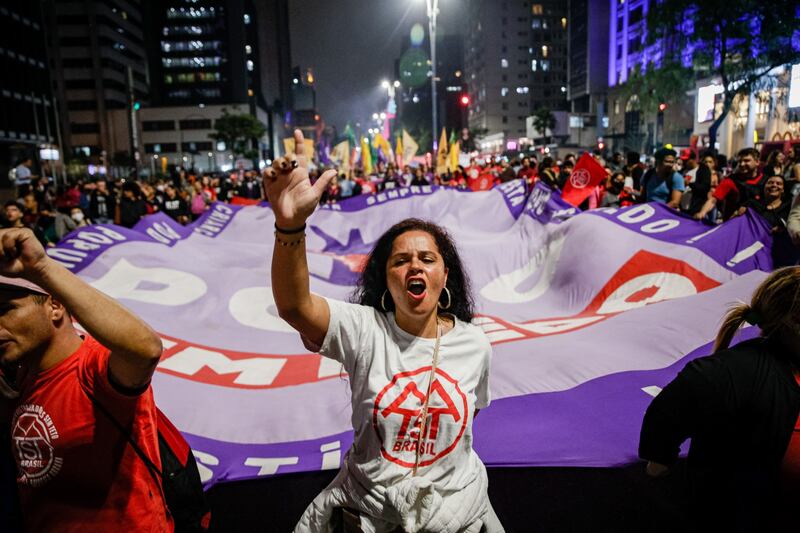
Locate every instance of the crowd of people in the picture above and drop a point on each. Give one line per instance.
(412, 301)
(706, 186)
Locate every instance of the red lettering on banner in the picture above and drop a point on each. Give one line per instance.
(644, 279)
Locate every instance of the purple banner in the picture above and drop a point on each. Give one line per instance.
(588, 313)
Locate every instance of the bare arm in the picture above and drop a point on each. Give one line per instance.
(675, 199)
(135, 347)
(293, 200)
(708, 206)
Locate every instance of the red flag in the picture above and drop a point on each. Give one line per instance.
(587, 175)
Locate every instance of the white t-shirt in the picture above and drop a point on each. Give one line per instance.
(23, 175)
(389, 371)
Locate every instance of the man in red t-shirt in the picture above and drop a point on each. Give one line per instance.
(745, 183)
(75, 470)
(527, 172)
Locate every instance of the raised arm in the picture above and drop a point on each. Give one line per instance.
(135, 348)
(293, 199)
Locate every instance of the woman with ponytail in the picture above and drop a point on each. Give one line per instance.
(739, 406)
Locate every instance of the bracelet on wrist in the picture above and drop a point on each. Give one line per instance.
(290, 231)
(294, 242)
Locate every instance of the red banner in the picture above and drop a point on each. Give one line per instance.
(241, 200)
(587, 175)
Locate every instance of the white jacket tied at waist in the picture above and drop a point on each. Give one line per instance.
(412, 504)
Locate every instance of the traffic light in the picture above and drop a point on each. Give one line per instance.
(136, 106)
(661, 107)
(464, 100)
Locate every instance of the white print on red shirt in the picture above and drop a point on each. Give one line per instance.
(398, 408)
(32, 435)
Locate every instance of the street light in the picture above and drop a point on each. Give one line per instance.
(180, 134)
(433, 11)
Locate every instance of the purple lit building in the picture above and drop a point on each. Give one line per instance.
(630, 127)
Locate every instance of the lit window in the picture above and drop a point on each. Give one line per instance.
(246, 18)
(544, 50)
(248, 49)
(545, 65)
(534, 65)
(504, 63)
(504, 91)
(250, 65)
(536, 9)
(563, 89)
(536, 24)
(564, 22)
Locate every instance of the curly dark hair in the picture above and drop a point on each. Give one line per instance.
(372, 283)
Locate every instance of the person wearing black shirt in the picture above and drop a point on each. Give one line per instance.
(739, 406)
(419, 178)
(250, 188)
(390, 181)
(102, 204)
(131, 206)
(700, 188)
(174, 206)
(773, 205)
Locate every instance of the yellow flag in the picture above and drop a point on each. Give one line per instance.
(366, 156)
(383, 146)
(410, 147)
(398, 152)
(441, 155)
(455, 151)
(288, 148)
(341, 156)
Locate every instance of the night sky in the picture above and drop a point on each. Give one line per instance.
(352, 45)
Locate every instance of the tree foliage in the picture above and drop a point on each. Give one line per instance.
(665, 84)
(736, 41)
(543, 120)
(237, 130)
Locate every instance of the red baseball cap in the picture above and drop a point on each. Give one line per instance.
(686, 153)
(20, 284)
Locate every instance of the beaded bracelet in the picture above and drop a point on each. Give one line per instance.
(290, 243)
(290, 231)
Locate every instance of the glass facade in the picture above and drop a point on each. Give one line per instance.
(194, 58)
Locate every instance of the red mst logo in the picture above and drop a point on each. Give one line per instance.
(396, 417)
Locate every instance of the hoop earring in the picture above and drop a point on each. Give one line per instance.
(449, 300)
(383, 301)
